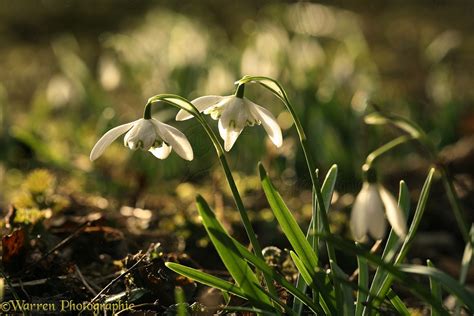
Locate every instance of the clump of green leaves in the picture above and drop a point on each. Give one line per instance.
(40, 190)
(38, 197)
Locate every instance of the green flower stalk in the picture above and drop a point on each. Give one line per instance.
(415, 132)
(279, 92)
(319, 213)
(185, 105)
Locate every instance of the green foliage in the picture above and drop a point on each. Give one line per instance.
(83, 87)
(237, 267)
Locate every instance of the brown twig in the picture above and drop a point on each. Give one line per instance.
(111, 283)
(136, 307)
(59, 245)
(34, 282)
(83, 280)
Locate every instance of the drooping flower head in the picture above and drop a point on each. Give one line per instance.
(149, 135)
(368, 216)
(234, 113)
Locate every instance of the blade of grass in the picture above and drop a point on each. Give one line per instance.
(465, 264)
(447, 282)
(309, 280)
(327, 191)
(316, 187)
(384, 286)
(288, 224)
(277, 300)
(247, 309)
(398, 303)
(206, 279)
(237, 267)
(348, 307)
(262, 266)
(435, 289)
(363, 283)
(394, 272)
(180, 301)
(302, 269)
(393, 242)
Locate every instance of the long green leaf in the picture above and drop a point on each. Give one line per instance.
(288, 223)
(180, 302)
(420, 209)
(247, 309)
(395, 272)
(393, 242)
(262, 266)
(205, 279)
(327, 191)
(307, 277)
(309, 281)
(465, 264)
(435, 289)
(398, 303)
(237, 267)
(363, 284)
(348, 307)
(450, 284)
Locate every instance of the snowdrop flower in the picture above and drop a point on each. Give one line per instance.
(235, 112)
(147, 134)
(368, 212)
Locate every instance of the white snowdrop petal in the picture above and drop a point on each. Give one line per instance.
(234, 113)
(358, 221)
(108, 138)
(201, 103)
(395, 215)
(229, 135)
(375, 214)
(176, 139)
(142, 134)
(161, 152)
(268, 121)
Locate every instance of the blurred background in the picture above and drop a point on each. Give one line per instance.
(71, 70)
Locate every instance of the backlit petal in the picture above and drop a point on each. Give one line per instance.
(108, 138)
(176, 139)
(375, 214)
(268, 121)
(235, 113)
(229, 135)
(395, 215)
(143, 132)
(161, 152)
(201, 103)
(358, 221)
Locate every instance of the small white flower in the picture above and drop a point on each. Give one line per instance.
(368, 213)
(235, 113)
(147, 134)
